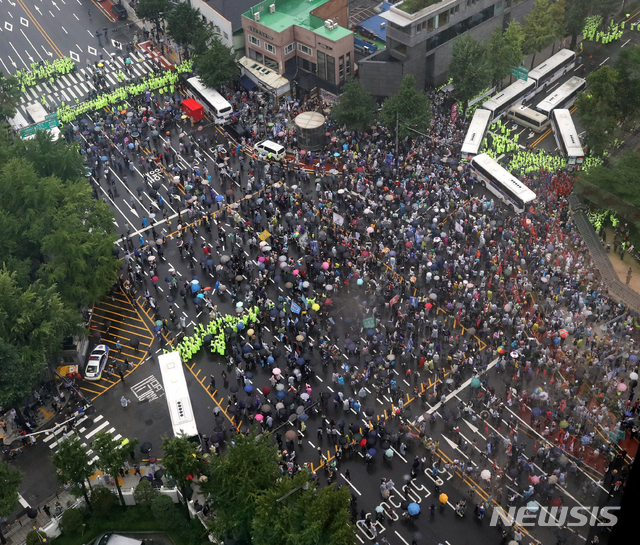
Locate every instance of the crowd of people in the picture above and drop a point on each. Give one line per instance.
(451, 284)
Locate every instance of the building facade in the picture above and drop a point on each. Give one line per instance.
(303, 40)
(421, 43)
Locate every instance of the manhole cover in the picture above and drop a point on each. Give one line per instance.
(148, 422)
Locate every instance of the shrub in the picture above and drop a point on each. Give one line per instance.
(103, 500)
(144, 494)
(163, 509)
(34, 539)
(71, 520)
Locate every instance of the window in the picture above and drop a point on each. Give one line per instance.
(256, 55)
(322, 65)
(455, 9)
(431, 24)
(288, 49)
(269, 47)
(331, 69)
(305, 49)
(499, 7)
(271, 63)
(226, 36)
(341, 69)
(253, 40)
(443, 18)
(348, 63)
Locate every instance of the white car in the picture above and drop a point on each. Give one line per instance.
(97, 362)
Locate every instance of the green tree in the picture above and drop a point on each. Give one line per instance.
(505, 50)
(164, 511)
(182, 463)
(216, 65)
(36, 537)
(235, 482)
(144, 494)
(33, 322)
(540, 29)
(184, 23)
(73, 464)
(71, 520)
(103, 500)
(355, 108)
(598, 109)
(407, 109)
(628, 88)
(9, 96)
(111, 456)
(10, 479)
(619, 178)
(575, 13)
(470, 68)
(154, 10)
(293, 512)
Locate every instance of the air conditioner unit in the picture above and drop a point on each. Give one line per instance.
(328, 24)
(256, 16)
(383, 24)
(334, 26)
(272, 8)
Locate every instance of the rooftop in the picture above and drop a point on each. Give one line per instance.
(414, 6)
(295, 13)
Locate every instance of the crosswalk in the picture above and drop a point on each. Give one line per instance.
(77, 86)
(85, 429)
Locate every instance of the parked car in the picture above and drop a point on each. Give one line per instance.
(97, 362)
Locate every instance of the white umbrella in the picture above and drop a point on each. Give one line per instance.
(485, 474)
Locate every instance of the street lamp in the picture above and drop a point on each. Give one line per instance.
(305, 486)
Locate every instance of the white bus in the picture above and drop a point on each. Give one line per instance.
(501, 183)
(554, 67)
(513, 95)
(566, 136)
(175, 385)
(475, 135)
(212, 101)
(37, 112)
(563, 97)
(527, 117)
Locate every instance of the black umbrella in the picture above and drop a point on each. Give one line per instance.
(145, 448)
(233, 389)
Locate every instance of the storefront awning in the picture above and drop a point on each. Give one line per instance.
(247, 83)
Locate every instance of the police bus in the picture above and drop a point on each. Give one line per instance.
(566, 136)
(513, 95)
(527, 117)
(183, 420)
(475, 134)
(563, 97)
(501, 183)
(212, 101)
(553, 68)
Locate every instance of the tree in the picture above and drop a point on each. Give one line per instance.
(182, 463)
(505, 50)
(216, 65)
(469, 68)
(409, 108)
(628, 88)
(154, 10)
(294, 512)
(9, 96)
(111, 456)
(33, 322)
(73, 464)
(71, 520)
(184, 23)
(575, 13)
(36, 537)
(355, 108)
(144, 494)
(557, 13)
(598, 109)
(10, 479)
(235, 481)
(539, 29)
(620, 178)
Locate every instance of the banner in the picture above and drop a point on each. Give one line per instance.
(338, 219)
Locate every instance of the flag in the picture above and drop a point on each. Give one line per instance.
(394, 300)
(410, 344)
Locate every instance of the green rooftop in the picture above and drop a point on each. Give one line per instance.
(414, 6)
(295, 13)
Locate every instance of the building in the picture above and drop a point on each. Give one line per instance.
(420, 35)
(226, 15)
(305, 41)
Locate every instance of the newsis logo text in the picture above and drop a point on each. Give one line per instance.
(556, 516)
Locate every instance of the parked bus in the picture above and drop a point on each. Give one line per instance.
(178, 399)
(553, 68)
(510, 96)
(563, 97)
(566, 136)
(212, 101)
(475, 135)
(501, 183)
(527, 117)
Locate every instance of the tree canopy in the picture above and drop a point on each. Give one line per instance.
(215, 63)
(470, 68)
(187, 27)
(9, 96)
(505, 50)
(355, 107)
(182, 462)
(154, 10)
(111, 456)
(407, 109)
(10, 479)
(72, 462)
(544, 24)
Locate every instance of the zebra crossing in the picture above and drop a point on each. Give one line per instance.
(85, 429)
(76, 86)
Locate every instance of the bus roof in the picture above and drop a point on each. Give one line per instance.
(568, 133)
(178, 398)
(507, 95)
(496, 170)
(568, 88)
(476, 132)
(551, 64)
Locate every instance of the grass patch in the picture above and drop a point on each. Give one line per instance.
(414, 6)
(135, 518)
